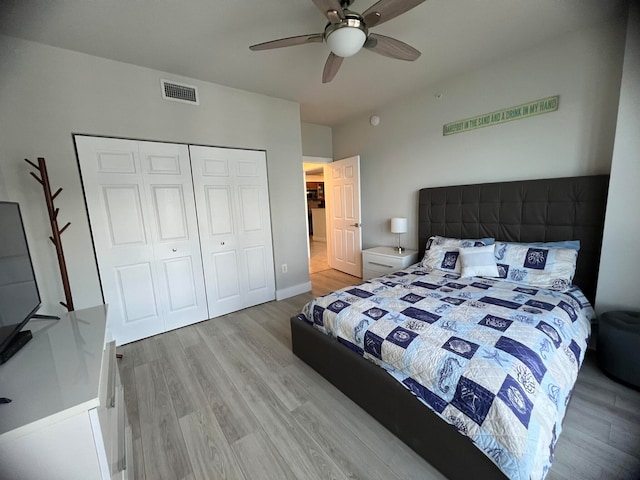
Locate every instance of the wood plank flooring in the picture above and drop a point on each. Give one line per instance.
(319, 260)
(227, 399)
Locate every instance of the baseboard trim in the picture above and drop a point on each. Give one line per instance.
(293, 291)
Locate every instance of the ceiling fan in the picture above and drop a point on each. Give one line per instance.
(347, 32)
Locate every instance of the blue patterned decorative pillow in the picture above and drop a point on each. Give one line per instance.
(442, 258)
(443, 253)
(478, 261)
(438, 241)
(572, 244)
(550, 268)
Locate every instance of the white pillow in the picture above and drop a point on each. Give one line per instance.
(478, 261)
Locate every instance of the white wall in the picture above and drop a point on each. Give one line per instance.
(407, 151)
(316, 140)
(3, 189)
(47, 94)
(620, 262)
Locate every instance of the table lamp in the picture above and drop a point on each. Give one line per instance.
(399, 226)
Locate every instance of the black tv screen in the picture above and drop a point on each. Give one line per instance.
(19, 295)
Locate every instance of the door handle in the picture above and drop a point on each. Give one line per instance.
(174, 249)
(356, 225)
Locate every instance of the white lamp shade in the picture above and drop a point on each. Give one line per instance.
(346, 41)
(398, 225)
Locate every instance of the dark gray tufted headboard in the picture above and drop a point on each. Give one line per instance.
(547, 210)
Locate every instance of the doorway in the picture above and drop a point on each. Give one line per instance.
(316, 217)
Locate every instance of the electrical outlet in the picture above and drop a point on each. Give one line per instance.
(284, 268)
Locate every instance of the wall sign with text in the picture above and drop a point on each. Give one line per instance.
(530, 109)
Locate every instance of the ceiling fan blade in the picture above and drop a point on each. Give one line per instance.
(288, 42)
(390, 47)
(330, 9)
(385, 10)
(331, 67)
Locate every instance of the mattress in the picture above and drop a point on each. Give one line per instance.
(496, 360)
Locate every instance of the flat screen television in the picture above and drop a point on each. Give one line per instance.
(19, 294)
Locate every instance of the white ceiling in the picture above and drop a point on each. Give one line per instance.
(209, 40)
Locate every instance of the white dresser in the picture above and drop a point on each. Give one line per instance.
(67, 418)
(379, 261)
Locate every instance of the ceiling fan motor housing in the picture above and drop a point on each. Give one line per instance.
(347, 37)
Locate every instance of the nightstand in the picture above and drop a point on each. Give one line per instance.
(380, 261)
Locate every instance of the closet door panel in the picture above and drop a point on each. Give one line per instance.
(136, 288)
(123, 211)
(213, 166)
(235, 228)
(118, 210)
(168, 162)
(120, 158)
(169, 209)
(255, 237)
(179, 276)
(226, 281)
(253, 204)
(219, 214)
(218, 239)
(142, 212)
(169, 188)
(249, 197)
(256, 263)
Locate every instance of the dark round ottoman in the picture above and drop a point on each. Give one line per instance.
(619, 346)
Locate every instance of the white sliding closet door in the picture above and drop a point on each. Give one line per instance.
(232, 200)
(143, 219)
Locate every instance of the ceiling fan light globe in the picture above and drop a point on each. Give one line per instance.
(346, 41)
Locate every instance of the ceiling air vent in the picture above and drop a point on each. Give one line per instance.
(179, 92)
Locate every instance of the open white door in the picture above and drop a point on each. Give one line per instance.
(342, 180)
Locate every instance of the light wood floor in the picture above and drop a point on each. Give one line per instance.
(226, 398)
(318, 260)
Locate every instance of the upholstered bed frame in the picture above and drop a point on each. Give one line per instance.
(524, 211)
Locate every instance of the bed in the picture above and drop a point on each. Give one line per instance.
(524, 211)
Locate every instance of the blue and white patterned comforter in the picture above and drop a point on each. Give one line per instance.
(496, 359)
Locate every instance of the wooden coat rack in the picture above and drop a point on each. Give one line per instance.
(43, 180)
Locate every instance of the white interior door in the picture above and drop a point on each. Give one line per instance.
(342, 180)
(142, 212)
(169, 187)
(232, 199)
